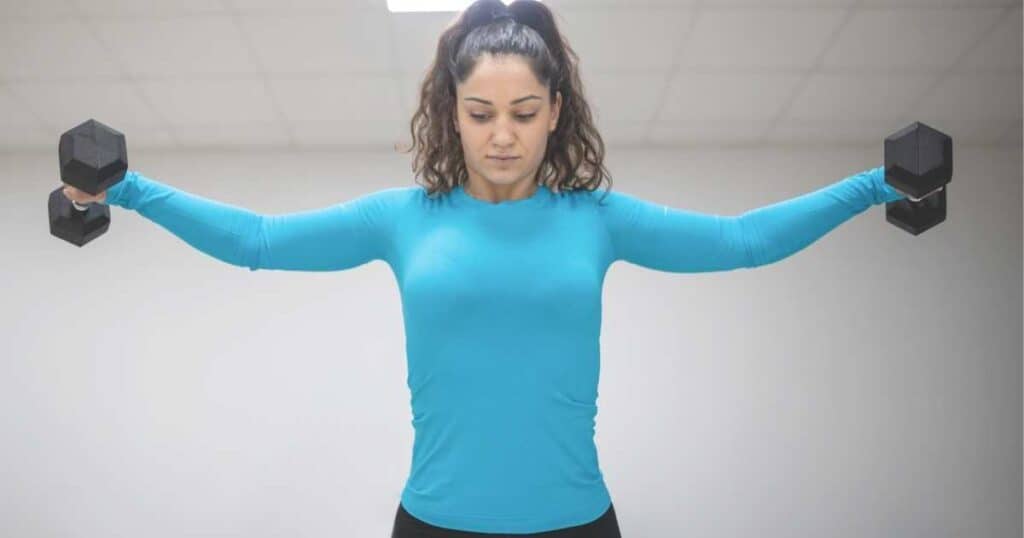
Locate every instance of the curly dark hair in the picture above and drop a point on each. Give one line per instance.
(573, 158)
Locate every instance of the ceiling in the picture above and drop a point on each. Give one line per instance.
(196, 74)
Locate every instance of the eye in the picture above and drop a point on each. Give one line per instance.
(484, 117)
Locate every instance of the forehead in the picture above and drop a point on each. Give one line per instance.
(500, 79)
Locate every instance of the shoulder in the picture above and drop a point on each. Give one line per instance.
(387, 199)
(606, 200)
(396, 194)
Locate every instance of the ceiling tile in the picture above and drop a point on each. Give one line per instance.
(178, 46)
(321, 44)
(65, 105)
(726, 96)
(760, 38)
(52, 50)
(368, 135)
(772, 4)
(842, 97)
(874, 132)
(835, 132)
(299, 6)
(1000, 49)
(15, 112)
(907, 39)
(936, 3)
(38, 9)
(210, 101)
(144, 138)
(979, 97)
(147, 8)
(31, 138)
(350, 98)
(607, 39)
(651, 46)
(1012, 137)
(223, 134)
(557, 5)
(416, 36)
(409, 93)
(623, 97)
(973, 132)
(622, 133)
(719, 132)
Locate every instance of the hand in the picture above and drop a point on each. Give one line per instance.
(81, 197)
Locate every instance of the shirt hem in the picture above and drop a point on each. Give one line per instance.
(515, 525)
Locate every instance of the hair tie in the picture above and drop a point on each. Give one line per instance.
(501, 13)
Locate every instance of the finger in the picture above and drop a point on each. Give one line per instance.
(74, 194)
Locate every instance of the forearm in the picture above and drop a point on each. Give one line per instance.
(776, 231)
(217, 229)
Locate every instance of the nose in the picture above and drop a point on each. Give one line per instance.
(503, 135)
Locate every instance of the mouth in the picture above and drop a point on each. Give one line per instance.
(503, 158)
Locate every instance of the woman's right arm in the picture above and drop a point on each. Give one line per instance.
(341, 236)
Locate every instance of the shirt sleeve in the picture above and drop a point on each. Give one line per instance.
(663, 238)
(341, 236)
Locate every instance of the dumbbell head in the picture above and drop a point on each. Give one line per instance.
(76, 226)
(92, 157)
(918, 163)
(917, 217)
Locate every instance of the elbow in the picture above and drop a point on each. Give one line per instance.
(746, 243)
(252, 246)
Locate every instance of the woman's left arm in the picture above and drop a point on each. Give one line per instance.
(681, 241)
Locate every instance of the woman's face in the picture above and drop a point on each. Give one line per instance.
(516, 123)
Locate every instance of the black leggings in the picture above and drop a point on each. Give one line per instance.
(408, 526)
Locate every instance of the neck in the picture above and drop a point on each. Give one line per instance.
(501, 193)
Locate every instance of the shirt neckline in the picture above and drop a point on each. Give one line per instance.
(538, 194)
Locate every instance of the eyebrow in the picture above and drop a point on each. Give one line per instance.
(486, 102)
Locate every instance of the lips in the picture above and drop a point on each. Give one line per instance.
(503, 162)
(502, 158)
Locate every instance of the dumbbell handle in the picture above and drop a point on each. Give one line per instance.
(912, 199)
(77, 206)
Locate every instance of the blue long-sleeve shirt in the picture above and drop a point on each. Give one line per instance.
(502, 314)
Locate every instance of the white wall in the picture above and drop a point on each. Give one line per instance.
(867, 386)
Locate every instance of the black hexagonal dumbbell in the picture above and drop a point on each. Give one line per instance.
(92, 158)
(918, 163)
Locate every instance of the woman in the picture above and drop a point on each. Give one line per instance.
(500, 259)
